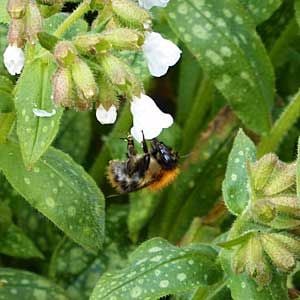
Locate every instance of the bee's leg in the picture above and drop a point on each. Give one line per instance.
(130, 147)
(144, 144)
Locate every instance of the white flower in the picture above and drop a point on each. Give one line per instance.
(43, 113)
(147, 118)
(106, 116)
(14, 59)
(148, 4)
(160, 54)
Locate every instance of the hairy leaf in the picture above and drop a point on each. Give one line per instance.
(235, 184)
(223, 39)
(33, 91)
(61, 190)
(158, 269)
(16, 284)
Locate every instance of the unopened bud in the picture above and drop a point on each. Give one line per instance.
(119, 39)
(262, 169)
(291, 243)
(281, 257)
(263, 210)
(114, 69)
(62, 87)
(65, 53)
(33, 21)
(130, 13)
(107, 94)
(287, 204)
(282, 178)
(85, 84)
(16, 34)
(16, 8)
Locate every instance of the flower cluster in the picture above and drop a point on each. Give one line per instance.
(91, 68)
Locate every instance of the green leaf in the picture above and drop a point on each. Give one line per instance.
(158, 269)
(15, 243)
(235, 184)
(223, 39)
(61, 190)
(297, 8)
(261, 10)
(52, 23)
(4, 16)
(16, 284)
(243, 287)
(298, 170)
(74, 136)
(6, 123)
(33, 91)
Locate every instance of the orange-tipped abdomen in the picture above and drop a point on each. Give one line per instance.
(166, 177)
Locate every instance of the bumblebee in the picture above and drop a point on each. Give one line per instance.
(153, 169)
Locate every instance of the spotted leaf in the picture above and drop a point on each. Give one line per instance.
(33, 91)
(16, 284)
(235, 184)
(261, 10)
(222, 36)
(14, 242)
(61, 190)
(158, 269)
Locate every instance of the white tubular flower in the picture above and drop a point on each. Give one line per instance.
(160, 54)
(147, 118)
(14, 59)
(106, 116)
(148, 4)
(43, 113)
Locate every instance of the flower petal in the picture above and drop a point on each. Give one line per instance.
(148, 4)
(43, 113)
(14, 59)
(160, 54)
(106, 116)
(148, 118)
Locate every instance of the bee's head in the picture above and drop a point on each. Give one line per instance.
(164, 155)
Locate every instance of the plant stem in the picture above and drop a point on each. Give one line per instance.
(72, 18)
(289, 116)
(98, 169)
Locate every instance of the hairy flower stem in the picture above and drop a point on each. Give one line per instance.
(287, 119)
(77, 13)
(98, 169)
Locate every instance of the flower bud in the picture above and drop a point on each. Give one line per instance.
(282, 178)
(62, 87)
(250, 258)
(114, 70)
(118, 39)
(107, 94)
(33, 21)
(65, 53)
(16, 8)
(130, 13)
(16, 34)
(287, 205)
(279, 254)
(291, 243)
(262, 169)
(85, 84)
(263, 211)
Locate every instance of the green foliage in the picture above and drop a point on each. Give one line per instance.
(70, 199)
